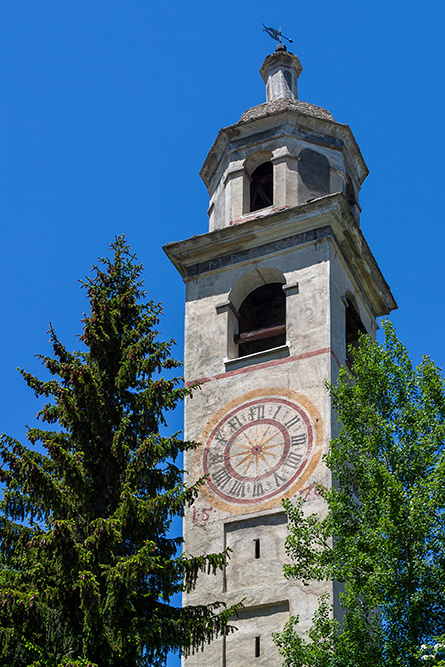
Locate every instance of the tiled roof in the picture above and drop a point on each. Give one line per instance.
(285, 104)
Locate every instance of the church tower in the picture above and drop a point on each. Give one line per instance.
(276, 291)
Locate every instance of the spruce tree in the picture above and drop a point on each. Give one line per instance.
(87, 564)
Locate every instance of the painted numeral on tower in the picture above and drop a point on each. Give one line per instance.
(256, 412)
(219, 437)
(278, 479)
(292, 422)
(298, 439)
(235, 423)
(276, 412)
(238, 489)
(293, 460)
(257, 489)
(222, 478)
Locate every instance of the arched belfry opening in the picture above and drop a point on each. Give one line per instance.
(259, 301)
(262, 324)
(261, 187)
(259, 181)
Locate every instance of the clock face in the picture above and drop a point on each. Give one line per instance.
(259, 449)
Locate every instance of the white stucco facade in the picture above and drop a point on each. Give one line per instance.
(264, 419)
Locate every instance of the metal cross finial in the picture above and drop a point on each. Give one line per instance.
(276, 34)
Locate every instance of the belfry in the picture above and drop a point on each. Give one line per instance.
(276, 291)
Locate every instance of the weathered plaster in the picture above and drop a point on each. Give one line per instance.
(317, 251)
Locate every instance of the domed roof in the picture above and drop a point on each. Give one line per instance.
(284, 104)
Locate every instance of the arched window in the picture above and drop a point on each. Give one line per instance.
(262, 323)
(314, 172)
(261, 186)
(353, 327)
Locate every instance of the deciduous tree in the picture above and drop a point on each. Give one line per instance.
(383, 534)
(87, 565)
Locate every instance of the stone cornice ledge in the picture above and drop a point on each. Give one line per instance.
(330, 211)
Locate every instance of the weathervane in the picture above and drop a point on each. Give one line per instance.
(276, 34)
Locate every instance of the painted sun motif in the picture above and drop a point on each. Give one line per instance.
(260, 450)
(256, 450)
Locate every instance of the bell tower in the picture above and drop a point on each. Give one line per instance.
(276, 291)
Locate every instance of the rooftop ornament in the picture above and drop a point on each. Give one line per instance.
(278, 36)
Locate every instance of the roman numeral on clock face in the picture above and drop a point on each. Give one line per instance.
(235, 423)
(279, 481)
(222, 477)
(293, 460)
(238, 489)
(292, 422)
(276, 412)
(257, 490)
(219, 437)
(256, 412)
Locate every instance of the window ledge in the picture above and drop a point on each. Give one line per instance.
(280, 352)
(253, 214)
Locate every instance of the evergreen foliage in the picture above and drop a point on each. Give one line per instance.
(383, 534)
(87, 567)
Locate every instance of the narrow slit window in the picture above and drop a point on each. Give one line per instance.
(257, 647)
(257, 548)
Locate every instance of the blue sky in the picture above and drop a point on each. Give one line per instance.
(108, 109)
